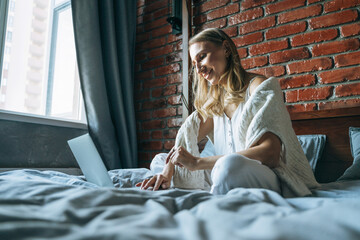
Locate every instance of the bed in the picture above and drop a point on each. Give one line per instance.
(53, 205)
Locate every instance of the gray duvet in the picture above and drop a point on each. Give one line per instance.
(53, 205)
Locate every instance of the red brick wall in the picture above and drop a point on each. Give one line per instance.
(312, 47)
(158, 81)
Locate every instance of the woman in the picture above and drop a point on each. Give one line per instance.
(246, 156)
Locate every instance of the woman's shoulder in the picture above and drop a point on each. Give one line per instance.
(254, 81)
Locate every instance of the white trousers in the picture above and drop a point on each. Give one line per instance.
(232, 171)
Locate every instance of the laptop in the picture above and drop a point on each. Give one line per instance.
(90, 161)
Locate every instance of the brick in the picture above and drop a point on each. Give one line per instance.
(298, 81)
(339, 5)
(157, 82)
(231, 32)
(156, 23)
(142, 37)
(173, 38)
(178, 46)
(140, 3)
(161, 13)
(175, 57)
(161, 51)
(224, 11)
(167, 69)
(146, 115)
(285, 30)
(156, 135)
(168, 144)
(245, 16)
(333, 19)
(248, 39)
(339, 75)
(289, 55)
(152, 145)
(152, 63)
(220, 23)
(141, 95)
(144, 135)
(335, 47)
(153, 124)
(299, 14)
(283, 5)
(301, 107)
(347, 90)
(311, 65)
(339, 104)
(163, 91)
(167, 112)
(139, 20)
(274, 71)
(174, 100)
(144, 75)
(246, 4)
(151, 7)
(267, 47)
(256, 25)
(314, 37)
(161, 31)
(174, 122)
(140, 56)
(350, 30)
(174, 78)
(152, 43)
(199, 19)
(154, 104)
(242, 52)
(347, 59)
(314, 1)
(309, 94)
(169, 133)
(140, 11)
(209, 5)
(254, 62)
(179, 110)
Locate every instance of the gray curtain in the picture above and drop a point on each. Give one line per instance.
(105, 47)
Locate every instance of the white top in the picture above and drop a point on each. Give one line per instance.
(226, 129)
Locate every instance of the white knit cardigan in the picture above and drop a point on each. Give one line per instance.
(263, 112)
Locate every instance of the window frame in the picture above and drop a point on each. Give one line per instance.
(3, 19)
(26, 117)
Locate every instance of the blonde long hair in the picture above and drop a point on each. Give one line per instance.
(210, 100)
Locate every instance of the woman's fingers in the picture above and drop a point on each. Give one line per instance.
(143, 183)
(169, 155)
(138, 184)
(158, 182)
(150, 183)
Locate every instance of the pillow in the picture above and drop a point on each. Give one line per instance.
(313, 146)
(353, 172)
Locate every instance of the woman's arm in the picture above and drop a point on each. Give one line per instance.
(266, 150)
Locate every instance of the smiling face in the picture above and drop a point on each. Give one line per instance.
(209, 60)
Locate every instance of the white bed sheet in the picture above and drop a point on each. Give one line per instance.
(53, 205)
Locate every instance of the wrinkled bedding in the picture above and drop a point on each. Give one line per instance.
(53, 205)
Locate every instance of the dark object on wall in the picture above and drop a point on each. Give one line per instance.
(176, 16)
(105, 34)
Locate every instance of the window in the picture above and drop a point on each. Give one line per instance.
(9, 36)
(41, 71)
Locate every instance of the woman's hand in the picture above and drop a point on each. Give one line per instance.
(157, 181)
(182, 158)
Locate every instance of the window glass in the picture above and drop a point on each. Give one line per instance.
(39, 71)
